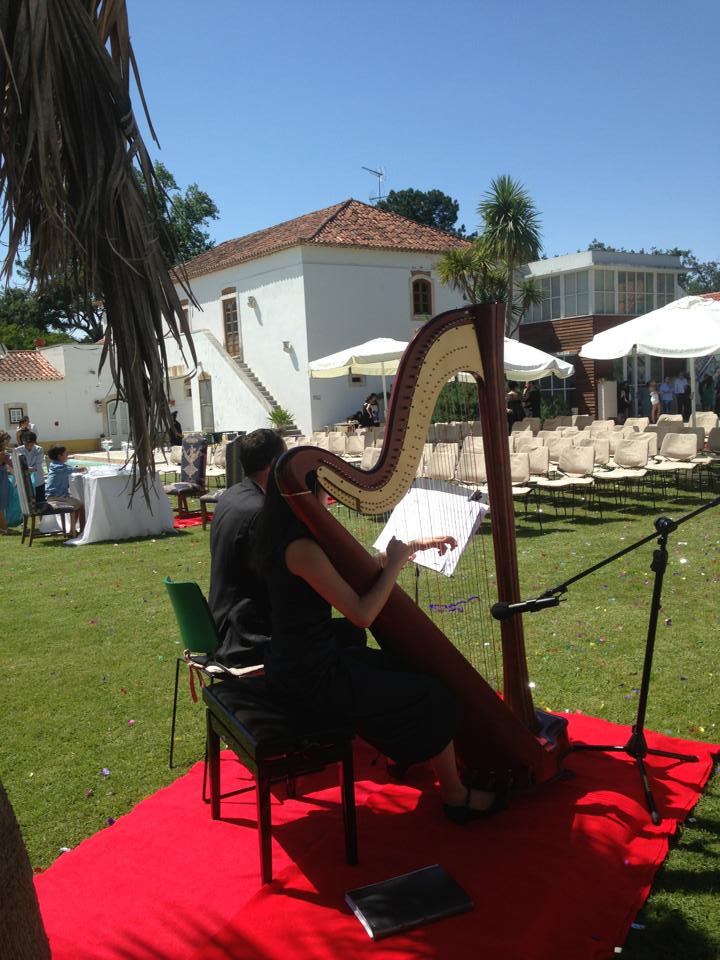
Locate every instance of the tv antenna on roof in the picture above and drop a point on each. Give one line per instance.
(380, 174)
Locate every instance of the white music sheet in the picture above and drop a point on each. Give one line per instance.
(432, 508)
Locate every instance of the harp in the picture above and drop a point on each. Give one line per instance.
(503, 734)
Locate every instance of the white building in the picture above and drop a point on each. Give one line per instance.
(274, 300)
(60, 389)
(586, 293)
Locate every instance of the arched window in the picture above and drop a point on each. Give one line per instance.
(421, 298)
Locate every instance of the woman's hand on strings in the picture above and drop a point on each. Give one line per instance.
(442, 544)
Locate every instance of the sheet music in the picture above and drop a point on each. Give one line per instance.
(432, 508)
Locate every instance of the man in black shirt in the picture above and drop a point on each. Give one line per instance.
(238, 599)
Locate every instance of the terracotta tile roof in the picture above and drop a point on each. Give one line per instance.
(27, 365)
(347, 224)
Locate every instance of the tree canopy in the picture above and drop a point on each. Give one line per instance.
(432, 208)
(183, 233)
(65, 308)
(487, 271)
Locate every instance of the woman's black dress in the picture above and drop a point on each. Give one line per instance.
(407, 716)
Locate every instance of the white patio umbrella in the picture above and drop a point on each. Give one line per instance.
(375, 358)
(523, 362)
(382, 356)
(687, 328)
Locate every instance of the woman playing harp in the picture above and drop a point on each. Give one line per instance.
(408, 716)
(504, 735)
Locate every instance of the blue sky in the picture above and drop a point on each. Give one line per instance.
(607, 113)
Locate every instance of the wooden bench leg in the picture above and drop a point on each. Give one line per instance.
(347, 789)
(264, 827)
(213, 752)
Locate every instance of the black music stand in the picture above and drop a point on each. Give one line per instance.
(636, 746)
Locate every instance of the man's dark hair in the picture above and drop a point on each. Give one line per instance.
(56, 451)
(28, 436)
(259, 448)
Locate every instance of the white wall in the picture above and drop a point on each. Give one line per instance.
(356, 295)
(234, 406)
(62, 409)
(319, 300)
(276, 282)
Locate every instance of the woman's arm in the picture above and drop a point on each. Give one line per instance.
(307, 560)
(441, 544)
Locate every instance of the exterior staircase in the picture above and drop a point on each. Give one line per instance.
(292, 429)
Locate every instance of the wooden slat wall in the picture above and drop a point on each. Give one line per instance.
(568, 335)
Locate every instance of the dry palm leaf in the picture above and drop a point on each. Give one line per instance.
(70, 155)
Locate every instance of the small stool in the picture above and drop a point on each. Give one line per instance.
(276, 743)
(207, 498)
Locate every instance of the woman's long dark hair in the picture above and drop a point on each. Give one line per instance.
(275, 523)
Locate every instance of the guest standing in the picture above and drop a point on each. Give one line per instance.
(681, 391)
(655, 407)
(666, 395)
(5, 466)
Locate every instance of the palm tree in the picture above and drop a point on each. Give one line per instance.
(72, 169)
(481, 278)
(71, 156)
(511, 232)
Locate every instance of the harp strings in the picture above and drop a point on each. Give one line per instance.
(459, 605)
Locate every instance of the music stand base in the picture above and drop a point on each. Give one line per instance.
(637, 748)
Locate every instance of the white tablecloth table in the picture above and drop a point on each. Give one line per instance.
(110, 514)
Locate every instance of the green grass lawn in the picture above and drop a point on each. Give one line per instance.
(89, 647)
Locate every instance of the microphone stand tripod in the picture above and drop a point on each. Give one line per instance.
(636, 746)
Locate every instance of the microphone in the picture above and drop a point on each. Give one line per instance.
(503, 611)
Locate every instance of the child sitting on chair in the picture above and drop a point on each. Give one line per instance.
(35, 458)
(57, 486)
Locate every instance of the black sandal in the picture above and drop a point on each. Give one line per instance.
(465, 813)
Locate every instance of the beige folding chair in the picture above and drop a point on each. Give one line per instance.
(354, 447)
(337, 443)
(520, 478)
(539, 463)
(370, 457)
(707, 420)
(575, 471)
(641, 423)
(628, 466)
(442, 462)
(677, 456)
(470, 469)
(525, 443)
(556, 445)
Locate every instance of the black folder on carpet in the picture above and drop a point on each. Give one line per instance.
(407, 901)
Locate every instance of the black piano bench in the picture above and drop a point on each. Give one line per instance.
(276, 743)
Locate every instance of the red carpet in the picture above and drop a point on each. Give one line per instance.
(193, 519)
(560, 876)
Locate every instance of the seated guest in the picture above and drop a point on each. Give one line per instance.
(238, 598)
(58, 485)
(35, 456)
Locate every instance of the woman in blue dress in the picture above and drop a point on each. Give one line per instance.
(5, 466)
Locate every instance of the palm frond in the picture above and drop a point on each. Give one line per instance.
(70, 155)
